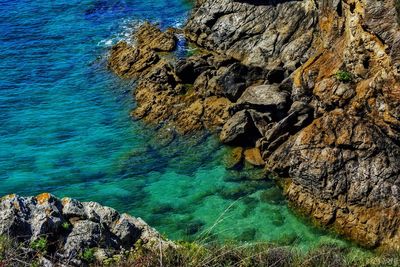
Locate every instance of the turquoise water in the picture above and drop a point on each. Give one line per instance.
(65, 129)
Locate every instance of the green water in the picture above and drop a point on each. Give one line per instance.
(65, 129)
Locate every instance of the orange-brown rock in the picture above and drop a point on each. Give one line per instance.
(332, 68)
(151, 36)
(339, 143)
(130, 62)
(162, 93)
(234, 159)
(253, 156)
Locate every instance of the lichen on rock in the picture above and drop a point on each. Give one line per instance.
(313, 85)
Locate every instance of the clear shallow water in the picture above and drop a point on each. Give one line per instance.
(65, 129)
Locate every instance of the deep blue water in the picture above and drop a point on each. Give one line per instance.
(65, 129)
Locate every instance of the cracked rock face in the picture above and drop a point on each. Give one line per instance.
(312, 85)
(261, 33)
(71, 226)
(337, 149)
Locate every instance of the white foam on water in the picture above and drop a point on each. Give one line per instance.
(126, 31)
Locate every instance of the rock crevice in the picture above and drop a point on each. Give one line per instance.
(313, 85)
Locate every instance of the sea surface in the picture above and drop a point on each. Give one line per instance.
(65, 129)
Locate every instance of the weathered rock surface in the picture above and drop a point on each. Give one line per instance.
(238, 129)
(260, 33)
(152, 37)
(253, 156)
(313, 85)
(129, 62)
(71, 226)
(264, 98)
(338, 144)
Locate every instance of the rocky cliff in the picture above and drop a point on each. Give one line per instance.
(313, 85)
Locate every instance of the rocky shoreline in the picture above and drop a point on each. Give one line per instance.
(65, 228)
(310, 88)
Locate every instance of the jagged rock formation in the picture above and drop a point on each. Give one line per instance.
(70, 226)
(314, 86)
(340, 161)
(262, 33)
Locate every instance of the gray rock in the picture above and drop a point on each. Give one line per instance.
(90, 225)
(238, 77)
(14, 216)
(84, 234)
(72, 208)
(98, 213)
(264, 98)
(263, 34)
(239, 129)
(126, 231)
(150, 236)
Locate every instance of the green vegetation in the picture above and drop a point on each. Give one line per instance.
(65, 226)
(254, 254)
(88, 255)
(344, 76)
(39, 245)
(194, 254)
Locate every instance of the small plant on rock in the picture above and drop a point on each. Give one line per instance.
(39, 244)
(344, 76)
(88, 255)
(65, 226)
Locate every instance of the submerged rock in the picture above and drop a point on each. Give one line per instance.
(234, 159)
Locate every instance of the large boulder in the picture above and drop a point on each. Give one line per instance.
(84, 234)
(239, 129)
(238, 77)
(350, 177)
(264, 98)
